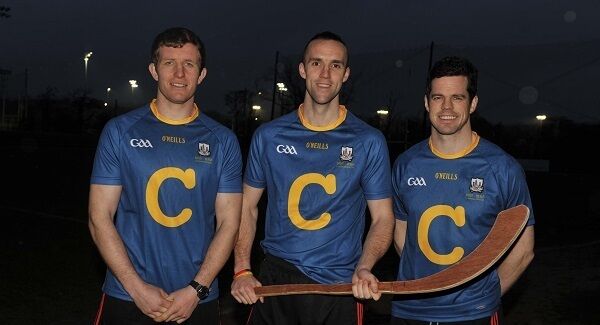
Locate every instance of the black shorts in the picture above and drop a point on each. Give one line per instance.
(497, 318)
(114, 311)
(300, 309)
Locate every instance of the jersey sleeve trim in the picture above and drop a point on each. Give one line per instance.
(229, 189)
(97, 180)
(254, 184)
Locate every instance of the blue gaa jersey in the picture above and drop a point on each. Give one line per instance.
(318, 180)
(450, 204)
(170, 173)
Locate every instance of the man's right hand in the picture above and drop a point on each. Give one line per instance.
(152, 301)
(242, 289)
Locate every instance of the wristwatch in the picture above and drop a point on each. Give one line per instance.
(201, 291)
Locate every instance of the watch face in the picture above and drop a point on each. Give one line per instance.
(203, 292)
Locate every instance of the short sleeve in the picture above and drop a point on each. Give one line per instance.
(106, 170)
(376, 179)
(399, 209)
(231, 175)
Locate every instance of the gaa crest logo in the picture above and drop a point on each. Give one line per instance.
(346, 154)
(204, 149)
(476, 185)
(416, 181)
(290, 150)
(140, 143)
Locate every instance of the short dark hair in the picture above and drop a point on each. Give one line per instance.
(328, 36)
(177, 37)
(454, 66)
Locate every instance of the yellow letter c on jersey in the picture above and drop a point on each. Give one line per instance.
(328, 184)
(457, 215)
(187, 177)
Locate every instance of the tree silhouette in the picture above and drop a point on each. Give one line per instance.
(237, 101)
(4, 12)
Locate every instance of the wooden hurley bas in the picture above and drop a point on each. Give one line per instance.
(508, 226)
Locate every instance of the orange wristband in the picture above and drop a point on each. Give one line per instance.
(242, 273)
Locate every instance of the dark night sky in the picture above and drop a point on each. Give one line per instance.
(49, 38)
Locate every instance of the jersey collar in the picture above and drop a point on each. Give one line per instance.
(342, 111)
(474, 142)
(162, 118)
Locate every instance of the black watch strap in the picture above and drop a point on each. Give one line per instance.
(201, 291)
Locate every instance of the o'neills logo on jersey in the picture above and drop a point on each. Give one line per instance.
(346, 154)
(290, 150)
(204, 149)
(476, 185)
(172, 139)
(140, 143)
(416, 181)
(446, 176)
(317, 145)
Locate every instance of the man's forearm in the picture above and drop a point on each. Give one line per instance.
(516, 262)
(249, 217)
(113, 252)
(376, 244)
(227, 208)
(103, 203)
(217, 254)
(380, 233)
(243, 246)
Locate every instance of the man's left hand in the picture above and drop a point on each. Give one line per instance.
(185, 301)
(365, 285)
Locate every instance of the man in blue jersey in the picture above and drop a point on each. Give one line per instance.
(321, 167)
(165, 197)
(448, 191)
